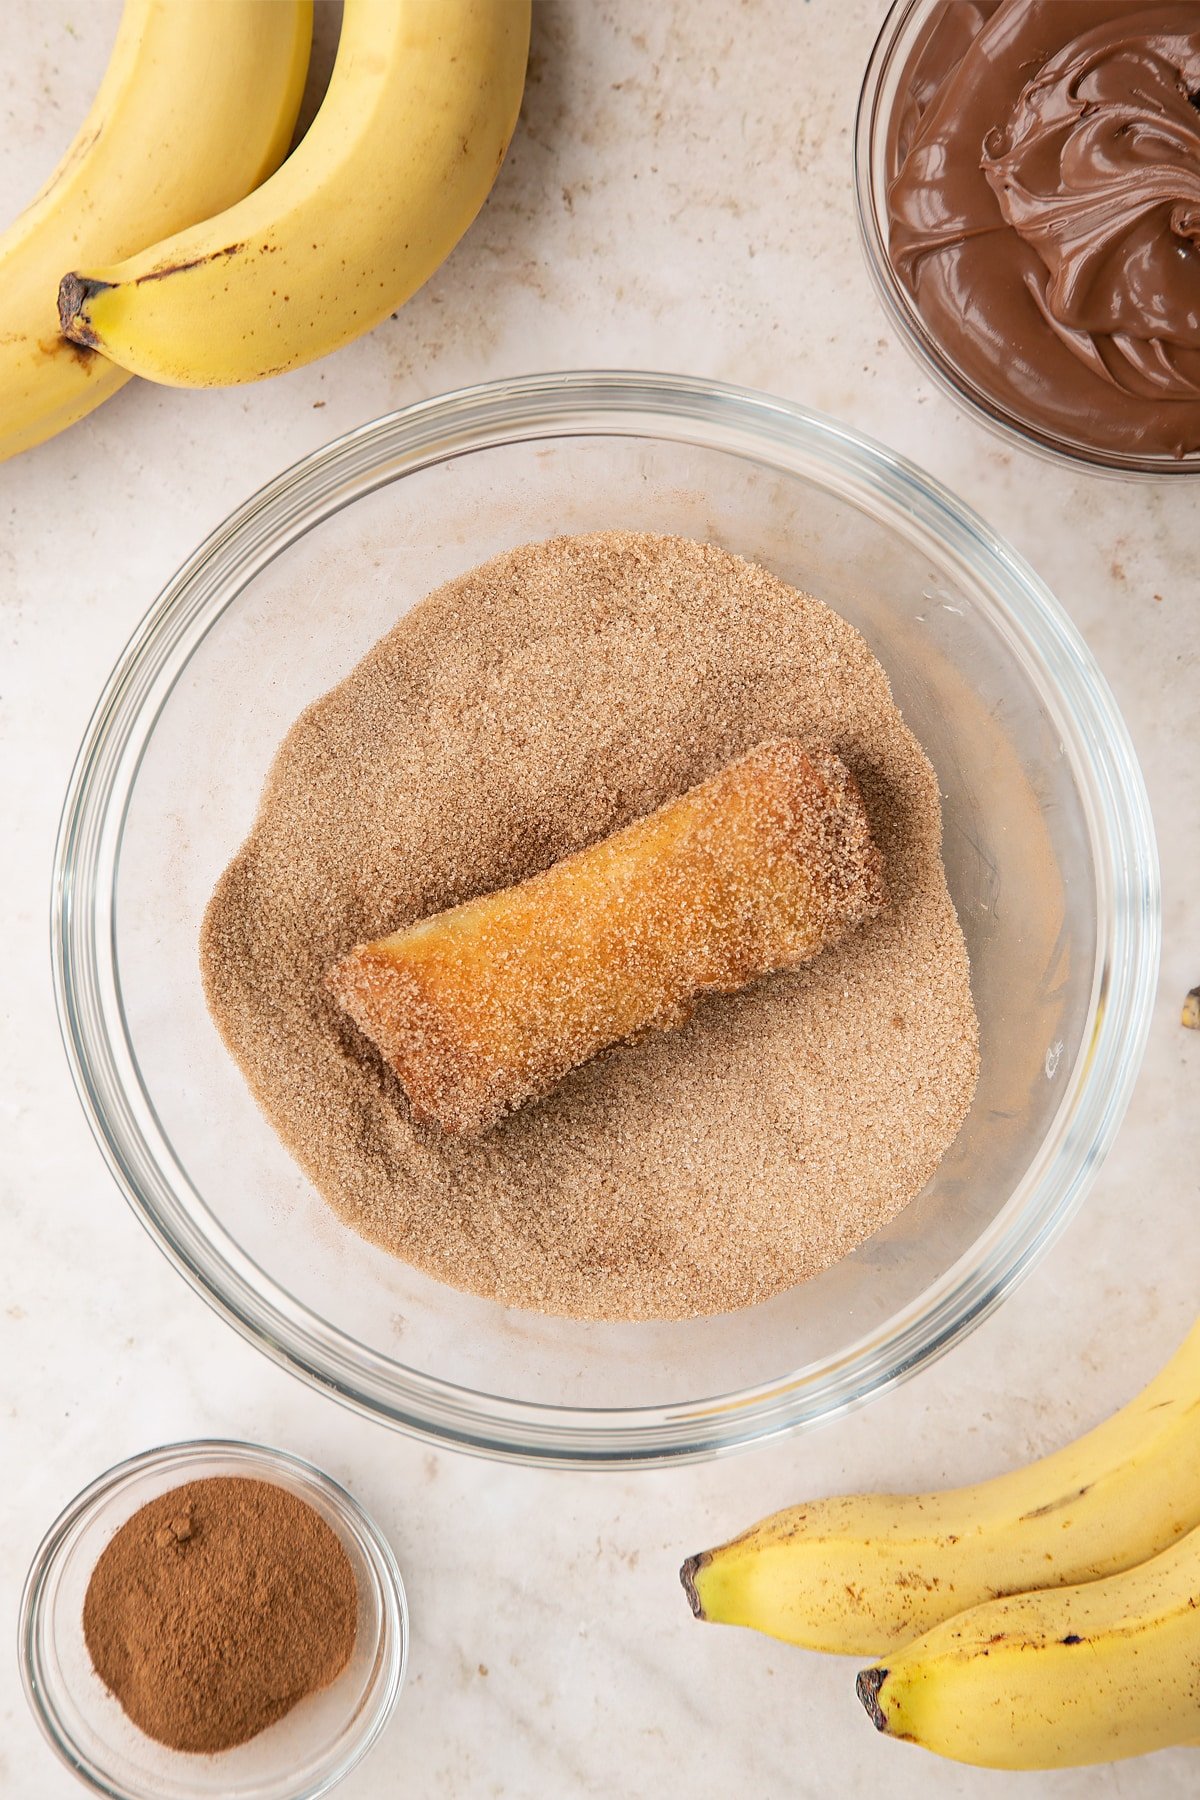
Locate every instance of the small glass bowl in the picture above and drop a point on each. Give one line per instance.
(900, 37)
(302, 1755)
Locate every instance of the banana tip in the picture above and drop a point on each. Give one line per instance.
(74, 292)
(687, 1576)
(867, 1686)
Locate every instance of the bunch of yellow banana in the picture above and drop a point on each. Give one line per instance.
(197, 106)
(174, 241)
(1047, 1618)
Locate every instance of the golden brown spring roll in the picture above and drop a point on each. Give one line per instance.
(488, 1005)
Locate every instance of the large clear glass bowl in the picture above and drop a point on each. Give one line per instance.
(901, 41)
(1048, 848)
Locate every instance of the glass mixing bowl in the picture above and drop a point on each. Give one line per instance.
(1048, 848)
(902, 38)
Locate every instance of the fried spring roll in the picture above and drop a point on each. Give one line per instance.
(488, 1005)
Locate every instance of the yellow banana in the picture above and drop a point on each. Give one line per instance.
(196, 107)
(863, 1573)
(1055, 1679)
(421, 104)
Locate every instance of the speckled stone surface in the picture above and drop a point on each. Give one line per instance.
(678, 197)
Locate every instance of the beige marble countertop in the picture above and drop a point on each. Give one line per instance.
(678, 197)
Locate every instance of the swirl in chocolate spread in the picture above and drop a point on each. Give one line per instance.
(1045, 212)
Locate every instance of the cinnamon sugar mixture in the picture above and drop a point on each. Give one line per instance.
(523, 711)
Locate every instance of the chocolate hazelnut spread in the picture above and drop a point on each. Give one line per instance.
(1045, 212)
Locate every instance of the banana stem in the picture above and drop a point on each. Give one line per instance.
(867, 1688)
(74, 292)
(687, 1576)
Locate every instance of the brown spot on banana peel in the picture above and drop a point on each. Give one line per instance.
(53, 349)
(913, 1578)
(687, 1576)
(178, 268)
(1040, 1512)
(867, 1685)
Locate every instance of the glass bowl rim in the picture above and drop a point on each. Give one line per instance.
(909, 325)
(768, 430)
(253, 1460)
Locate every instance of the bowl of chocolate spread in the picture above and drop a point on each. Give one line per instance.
(1029, 195)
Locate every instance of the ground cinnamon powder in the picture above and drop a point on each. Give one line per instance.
(216, 1608)
(525, 710)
